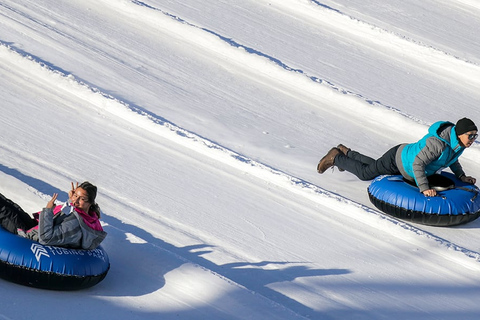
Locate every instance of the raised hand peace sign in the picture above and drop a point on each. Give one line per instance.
(72, 191)
(51, 203)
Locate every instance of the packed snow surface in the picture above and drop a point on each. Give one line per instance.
(202, 123)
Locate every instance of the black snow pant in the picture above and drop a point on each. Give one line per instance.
(13, 217)
(366, 168)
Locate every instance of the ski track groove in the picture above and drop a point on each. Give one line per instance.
(81, 44)
(426, 55)
(277, 62)
(162, 127)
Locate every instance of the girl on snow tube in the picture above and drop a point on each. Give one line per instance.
(75, 225)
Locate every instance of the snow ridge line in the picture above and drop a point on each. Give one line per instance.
(168, 130)
(258, 57)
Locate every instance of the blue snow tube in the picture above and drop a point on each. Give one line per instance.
(457, 202)
(29, 263)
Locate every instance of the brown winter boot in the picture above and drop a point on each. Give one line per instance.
(328, 161)
(344, 149)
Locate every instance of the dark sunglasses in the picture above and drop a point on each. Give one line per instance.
(472, 136)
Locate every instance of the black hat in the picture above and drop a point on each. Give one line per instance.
(464, 125)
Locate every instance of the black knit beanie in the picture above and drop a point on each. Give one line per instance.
(464, 125)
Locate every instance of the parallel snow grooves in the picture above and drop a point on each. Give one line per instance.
(230, 52)
(104, 102)
(442, 64)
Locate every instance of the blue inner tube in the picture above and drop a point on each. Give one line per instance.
(456, 203)
(29, 263)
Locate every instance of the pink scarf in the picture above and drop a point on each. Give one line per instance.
(91, 219)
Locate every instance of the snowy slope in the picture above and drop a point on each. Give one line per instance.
(202, 123)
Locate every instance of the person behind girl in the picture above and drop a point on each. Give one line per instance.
(438, 149)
